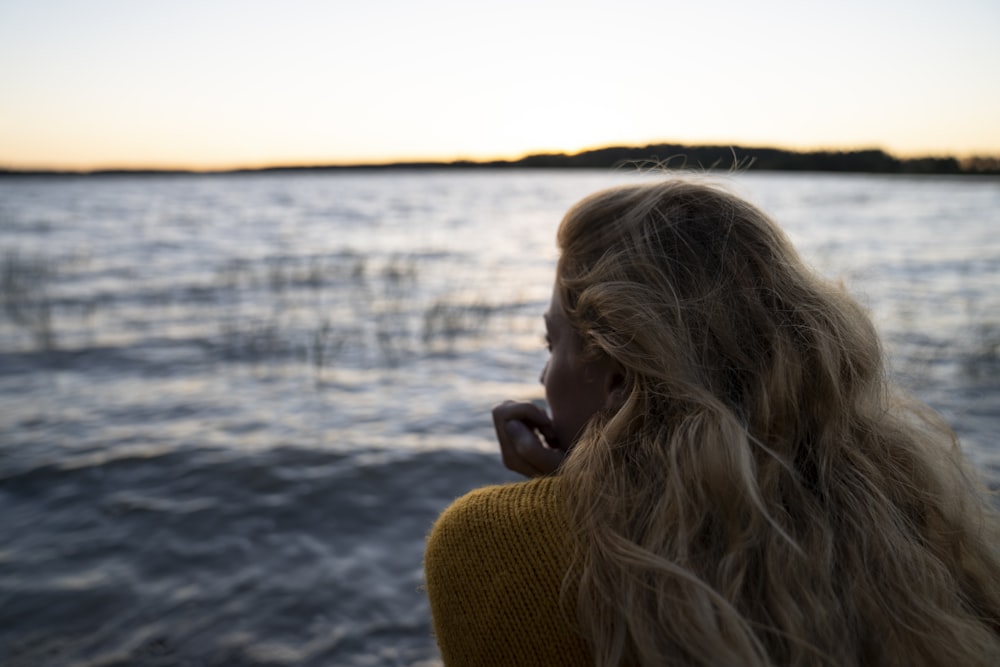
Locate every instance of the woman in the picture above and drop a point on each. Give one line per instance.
(736, 482)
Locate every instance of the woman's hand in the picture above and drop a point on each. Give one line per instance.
(520, 428)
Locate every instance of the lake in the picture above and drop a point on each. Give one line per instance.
(232, 405)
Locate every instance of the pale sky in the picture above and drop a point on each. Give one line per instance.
(214, 84)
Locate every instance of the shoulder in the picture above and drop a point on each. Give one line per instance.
(512, 532)
(495, 565)
(508, 513)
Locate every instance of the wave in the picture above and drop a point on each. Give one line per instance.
(284, 557)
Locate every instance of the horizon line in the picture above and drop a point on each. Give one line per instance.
(990, 161)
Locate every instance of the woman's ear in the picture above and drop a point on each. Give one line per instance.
(617, 387)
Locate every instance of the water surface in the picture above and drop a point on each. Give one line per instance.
(233, 405)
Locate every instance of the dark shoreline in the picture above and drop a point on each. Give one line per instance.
(650, 157)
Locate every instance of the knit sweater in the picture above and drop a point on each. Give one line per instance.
(495, 564)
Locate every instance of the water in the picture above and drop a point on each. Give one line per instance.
(233, 405)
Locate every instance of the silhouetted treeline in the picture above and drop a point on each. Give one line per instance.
(674, 156)
(766, 159)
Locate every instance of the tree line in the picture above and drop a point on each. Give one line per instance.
(670, 156)
(749, 159)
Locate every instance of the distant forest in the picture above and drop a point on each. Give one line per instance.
(671, 156)
(764, 159)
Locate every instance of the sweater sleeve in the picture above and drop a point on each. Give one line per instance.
(495, 564)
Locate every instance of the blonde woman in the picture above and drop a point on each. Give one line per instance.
(725, 476)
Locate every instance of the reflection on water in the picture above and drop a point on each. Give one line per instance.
(233, 404)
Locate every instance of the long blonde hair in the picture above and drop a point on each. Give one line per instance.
(762, 495)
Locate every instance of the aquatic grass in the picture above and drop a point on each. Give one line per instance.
(347, 309)
(446, 321)
(983, 359)
(372, 311)
(24, 288)
(322, 310)
(326, 345)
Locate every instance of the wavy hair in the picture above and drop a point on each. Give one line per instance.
(761, 495)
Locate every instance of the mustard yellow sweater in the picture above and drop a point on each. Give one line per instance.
(495, 564)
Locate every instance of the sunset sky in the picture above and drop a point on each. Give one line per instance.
(212, 84)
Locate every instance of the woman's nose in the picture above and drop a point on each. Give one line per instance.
(545, 369)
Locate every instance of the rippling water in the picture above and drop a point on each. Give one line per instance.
(232, 405)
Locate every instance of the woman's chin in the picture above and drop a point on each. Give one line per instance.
(562, 445)
(555, 442)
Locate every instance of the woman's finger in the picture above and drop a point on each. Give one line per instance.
(530, 451)
(520, 429)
